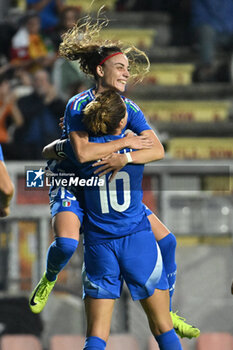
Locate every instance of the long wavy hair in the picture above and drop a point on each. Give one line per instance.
(83, 43)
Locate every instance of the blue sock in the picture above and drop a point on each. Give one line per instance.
(169, 341)
(94, 343)
(59, 253)
(167, 246)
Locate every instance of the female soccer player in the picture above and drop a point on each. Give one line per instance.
(109, 65)
(119, 243)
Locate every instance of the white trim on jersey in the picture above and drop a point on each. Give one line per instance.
(133, 104)
(91, 93)
(79, 100)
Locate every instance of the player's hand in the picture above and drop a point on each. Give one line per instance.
(61, 124)
(138, 142)
(112, 163)
(4, 212)
(232, 288)
(130, 134)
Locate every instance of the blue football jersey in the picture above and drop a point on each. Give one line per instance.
(113, 209)
(73, 122)
(124, 207)
(73, 114)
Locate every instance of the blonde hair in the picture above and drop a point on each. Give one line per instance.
(83, 43)
(103, 115)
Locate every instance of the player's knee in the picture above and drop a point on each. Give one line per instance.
(8, 190)
(66, 245)
(172, 241)
(161, 326)
(168, 243)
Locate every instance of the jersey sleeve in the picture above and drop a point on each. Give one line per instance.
(136, 119)
(73, 112)
(147, 210)
(1, 154)
(73, 119)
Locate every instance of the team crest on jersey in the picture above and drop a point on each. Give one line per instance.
(66, 203)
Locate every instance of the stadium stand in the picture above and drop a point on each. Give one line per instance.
(200, 148)
(84, 5)
(20, 342)
(169, 74)
(142, 38)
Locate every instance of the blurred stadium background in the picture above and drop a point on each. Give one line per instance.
(190, 190)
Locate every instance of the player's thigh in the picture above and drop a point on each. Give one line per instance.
(67, 213)
(156, 308)
(159, 229)
(66, 224)
(99, 316)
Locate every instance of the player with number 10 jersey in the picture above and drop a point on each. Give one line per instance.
(114, 209)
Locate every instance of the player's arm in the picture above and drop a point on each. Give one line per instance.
(156, 152)
(6, 190)
(86, 151)
(54, 150)
(57, 149)
(116, 161)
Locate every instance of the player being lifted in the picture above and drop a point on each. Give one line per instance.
(119, 243)
(109, 64)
